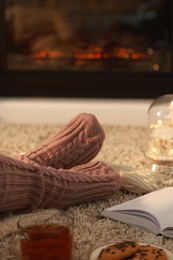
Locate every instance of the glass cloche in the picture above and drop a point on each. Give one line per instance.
(160, 124)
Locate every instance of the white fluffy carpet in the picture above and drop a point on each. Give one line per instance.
(124, 145)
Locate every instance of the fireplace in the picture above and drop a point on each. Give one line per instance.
(94, 48)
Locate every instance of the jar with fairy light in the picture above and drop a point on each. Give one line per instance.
(160, 124)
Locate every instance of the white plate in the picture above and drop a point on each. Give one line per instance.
(94, 255)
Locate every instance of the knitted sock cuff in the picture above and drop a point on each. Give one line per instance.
(21, 185)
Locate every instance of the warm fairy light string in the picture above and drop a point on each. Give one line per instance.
(161, 139)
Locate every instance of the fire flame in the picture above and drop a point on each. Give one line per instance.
(118, 52)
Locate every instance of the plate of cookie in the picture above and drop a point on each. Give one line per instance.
(130, 250)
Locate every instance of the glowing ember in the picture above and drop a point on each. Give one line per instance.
(120, 52)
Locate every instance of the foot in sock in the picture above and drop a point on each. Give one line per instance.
(78, 142)
(25, 187)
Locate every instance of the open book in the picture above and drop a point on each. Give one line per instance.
(152, 211)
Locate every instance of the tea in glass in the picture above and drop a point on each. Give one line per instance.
(44, 239)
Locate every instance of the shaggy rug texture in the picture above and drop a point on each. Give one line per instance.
(124, 146)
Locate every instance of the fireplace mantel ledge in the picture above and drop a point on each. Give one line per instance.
(59, 111)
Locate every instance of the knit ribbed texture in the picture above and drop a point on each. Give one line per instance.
(76, 143)
(21, 185)
(27, 187)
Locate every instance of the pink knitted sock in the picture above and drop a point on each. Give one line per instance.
(27, 187)
(76, 143)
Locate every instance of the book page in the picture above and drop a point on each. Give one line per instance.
(158, 203)
(133, 219)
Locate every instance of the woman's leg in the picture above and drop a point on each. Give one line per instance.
(28, 187)
(78, 142)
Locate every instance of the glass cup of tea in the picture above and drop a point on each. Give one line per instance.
(43, 236)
